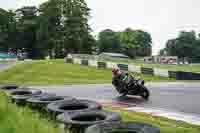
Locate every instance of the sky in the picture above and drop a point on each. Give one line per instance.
(163, 19)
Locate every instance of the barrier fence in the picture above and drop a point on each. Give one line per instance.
(102, 65)
(179, 75)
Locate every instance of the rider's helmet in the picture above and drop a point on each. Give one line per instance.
(115, 71)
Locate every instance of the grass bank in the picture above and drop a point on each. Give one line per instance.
(21, 120)
(57, 72)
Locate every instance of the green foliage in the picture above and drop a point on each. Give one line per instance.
(109, 41)
(136, 42)
(131, 42)
(185, 45)
(55, 28)
(77, 30)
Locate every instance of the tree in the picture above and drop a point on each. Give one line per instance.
(185, 45)
(76, 28)
(27, 29)
(50, 29)
(136, 42)
(4, 21)
(162, 52)
(108, 41)
(144, 40)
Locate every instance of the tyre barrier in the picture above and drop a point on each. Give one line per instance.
(69, 60)
(60, 107)
(40, 103)
(187, 76)
(77, 116)
(20, 96)
(123, 67)
(101, 65)
(148, 71)
(172, 74)
(122, 127)
(77, 122)
(84, 62)
(9, 87)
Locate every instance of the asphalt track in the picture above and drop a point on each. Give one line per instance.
(181, 97)
(4, 66)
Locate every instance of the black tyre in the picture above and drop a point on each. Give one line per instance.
(122, 127)
(87, 118)
(20, 96)
(43, 101)
(72, 105)
(25, 91)
(77, 122)
(9, 87)
(145, 94)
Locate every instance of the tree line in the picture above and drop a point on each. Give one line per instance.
(186, 45)
(58, 27)
(131, 42)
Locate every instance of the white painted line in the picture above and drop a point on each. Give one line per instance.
(179, 116)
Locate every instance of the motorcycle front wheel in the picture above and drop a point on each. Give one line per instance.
(145, 94)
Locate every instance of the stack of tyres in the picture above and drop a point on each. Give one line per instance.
(69, 60)
(60, 107)
(9, 87)
(122, 127)
(19, 96)
(76, 116)
(77, 122)
(40, 103)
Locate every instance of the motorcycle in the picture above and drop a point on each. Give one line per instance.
(133, 87)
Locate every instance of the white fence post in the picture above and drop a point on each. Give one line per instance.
(92, 63)
(76, 61)
(111, 65)
(161, 72)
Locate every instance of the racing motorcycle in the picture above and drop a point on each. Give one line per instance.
(133, 87)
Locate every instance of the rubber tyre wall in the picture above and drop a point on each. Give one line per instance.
(122, 127)
(40, 103)
(9, 87)
(77, 122)
(20, 96)
(72, 105)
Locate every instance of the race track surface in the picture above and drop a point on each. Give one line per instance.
(4, 66)
(182, 97)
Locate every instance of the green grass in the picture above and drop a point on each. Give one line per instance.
(57, 72)
(21, 120)
(165, 125)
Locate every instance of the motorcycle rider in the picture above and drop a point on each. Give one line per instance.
(122, 79)
(126, 84)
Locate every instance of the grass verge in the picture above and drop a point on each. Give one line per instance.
(165, 125)
(57, 72)
(21, 120)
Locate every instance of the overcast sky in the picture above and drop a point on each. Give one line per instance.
(162, 18)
